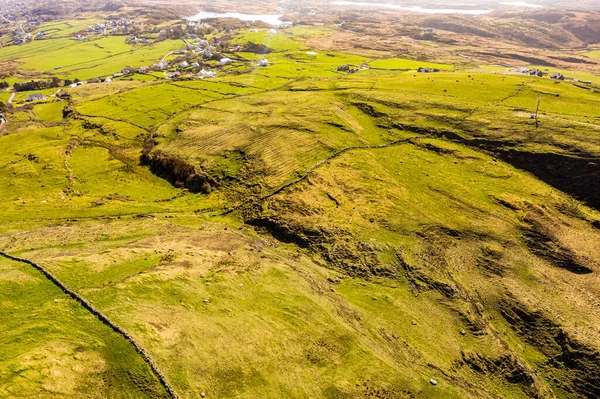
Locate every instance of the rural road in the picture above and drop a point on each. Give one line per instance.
(12, 97)
(166, 55)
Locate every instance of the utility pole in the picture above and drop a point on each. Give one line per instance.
(537, 110)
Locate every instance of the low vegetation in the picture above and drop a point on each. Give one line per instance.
(295, 230)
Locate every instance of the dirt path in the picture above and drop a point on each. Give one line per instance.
(105, 320)
(12, 97)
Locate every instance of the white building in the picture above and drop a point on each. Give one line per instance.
(224, 61)
(206, 74)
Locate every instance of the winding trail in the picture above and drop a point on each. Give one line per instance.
(105, 320)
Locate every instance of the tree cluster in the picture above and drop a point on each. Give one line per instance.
(43, 84)
(69, 82)
(4, 85)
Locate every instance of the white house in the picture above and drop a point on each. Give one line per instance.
(263, 63)
(224, 61)
(206, 74)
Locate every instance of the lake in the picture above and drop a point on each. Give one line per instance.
(522, 4)
(271, 19)
(412, 8)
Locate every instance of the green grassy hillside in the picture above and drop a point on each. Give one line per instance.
(297, 231)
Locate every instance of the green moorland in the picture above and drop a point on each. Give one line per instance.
(296, 231)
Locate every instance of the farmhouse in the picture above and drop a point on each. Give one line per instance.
(429, 31)
(2, 119)
(536, 72)
(161, 65)
(522, 70)
(144, 69)
(263, 63)
(224, 61)
(428, 70)
(184, 64)
(557, 76)
(206, 74)
(35, 97)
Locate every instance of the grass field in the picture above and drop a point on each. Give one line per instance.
(403, 64)
(52, 347)
(593, 54)
(388, 228)
(97, 57)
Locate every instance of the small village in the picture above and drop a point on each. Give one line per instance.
(558, 76)
(200, 58)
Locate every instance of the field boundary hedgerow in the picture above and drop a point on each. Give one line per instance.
(104, 319)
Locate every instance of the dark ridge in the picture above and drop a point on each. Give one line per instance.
(530, 60)
(506, 366)
(576, 365)
(545, 246)
(491, 262)
(178, 172)
(281, 232)
(369, 110)
(337, 246)
(419, 281)
(573, 60)
(577, 176)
